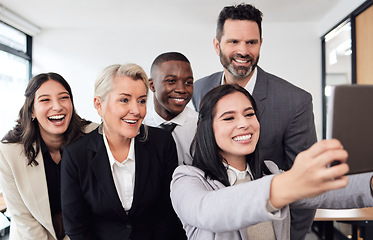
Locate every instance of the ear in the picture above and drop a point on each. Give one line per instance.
(151, 85)
(98, 105)
(216, 46)
(261, 41)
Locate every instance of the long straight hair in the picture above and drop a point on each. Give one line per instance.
(27, 130)
(204, 148)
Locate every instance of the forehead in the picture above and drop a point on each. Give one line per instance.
(50, 87)
(128, 85)
(234, 102)
(175, 66)
(233, 28)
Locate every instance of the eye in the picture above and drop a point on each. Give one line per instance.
(228, 119)
(142, 101)
(65, 97)
(250, 114)
(170, 81)
(124, 100)
(252, 42)
(189, 82)
(233, 41)
(44, 100)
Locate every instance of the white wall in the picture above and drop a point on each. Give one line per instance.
(79, 55)
(290, 50)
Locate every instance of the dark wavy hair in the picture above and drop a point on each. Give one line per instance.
(204, 148)
(242, 11)
(27, 132)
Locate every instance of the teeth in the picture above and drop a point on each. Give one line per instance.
(179, 99)
(130, 121)
(242, 138)
(56, 117)
(241, 61)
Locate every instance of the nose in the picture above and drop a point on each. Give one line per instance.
(57, 106)
(243, 49)
(180, 87)
(134, 108)
(243, 123)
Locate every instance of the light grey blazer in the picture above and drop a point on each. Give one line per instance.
(26, 193)
(286, 126)
(209, 210)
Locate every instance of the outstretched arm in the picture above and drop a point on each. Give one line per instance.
(310, 174)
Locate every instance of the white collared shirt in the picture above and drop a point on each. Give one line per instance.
(183, 133)
(250, 84)
(123, 174)
(234, 174)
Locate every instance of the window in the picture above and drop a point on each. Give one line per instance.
(15, 59)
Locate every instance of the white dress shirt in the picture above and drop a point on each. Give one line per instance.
(250, 84)
(123, 174)
(183, 133)
(234, 174)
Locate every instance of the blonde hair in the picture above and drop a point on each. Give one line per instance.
(104, 82)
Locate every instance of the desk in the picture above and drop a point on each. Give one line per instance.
(356, 217)
(362, 214)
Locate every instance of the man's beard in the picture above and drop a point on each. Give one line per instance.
(239, 71)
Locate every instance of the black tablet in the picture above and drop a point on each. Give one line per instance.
(350, 120)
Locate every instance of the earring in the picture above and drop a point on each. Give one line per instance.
(32, 118)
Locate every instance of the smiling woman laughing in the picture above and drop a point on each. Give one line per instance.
(30, 156)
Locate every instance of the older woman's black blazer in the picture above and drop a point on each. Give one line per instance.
(90, 203)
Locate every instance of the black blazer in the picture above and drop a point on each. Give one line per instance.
(90, 203)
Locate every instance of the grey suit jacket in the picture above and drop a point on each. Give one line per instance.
(26, 193)
(209, 210)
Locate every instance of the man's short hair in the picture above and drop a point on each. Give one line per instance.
(165, 57)
(242, 11)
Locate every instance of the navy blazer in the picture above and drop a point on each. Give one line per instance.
(90, 203)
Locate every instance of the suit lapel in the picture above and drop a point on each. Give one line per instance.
(142, 169)
(101, 168)
(217, 80)
(39, 203)
(260, 90)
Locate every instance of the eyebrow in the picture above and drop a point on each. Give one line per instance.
(129, 95)
(171, 75)
(47, 95)
(230, 112)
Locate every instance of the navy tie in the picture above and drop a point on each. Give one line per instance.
(168, 126)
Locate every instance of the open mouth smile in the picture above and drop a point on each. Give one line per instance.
(241, 61)
(56, 118)
(179, 100)
(242, 138)
(130, 121)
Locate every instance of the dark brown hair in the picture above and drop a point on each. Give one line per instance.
(242, 11)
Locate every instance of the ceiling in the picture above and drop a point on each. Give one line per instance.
(53, 14)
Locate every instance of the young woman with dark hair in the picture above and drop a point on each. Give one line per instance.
(230, 192)
(30, 157)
